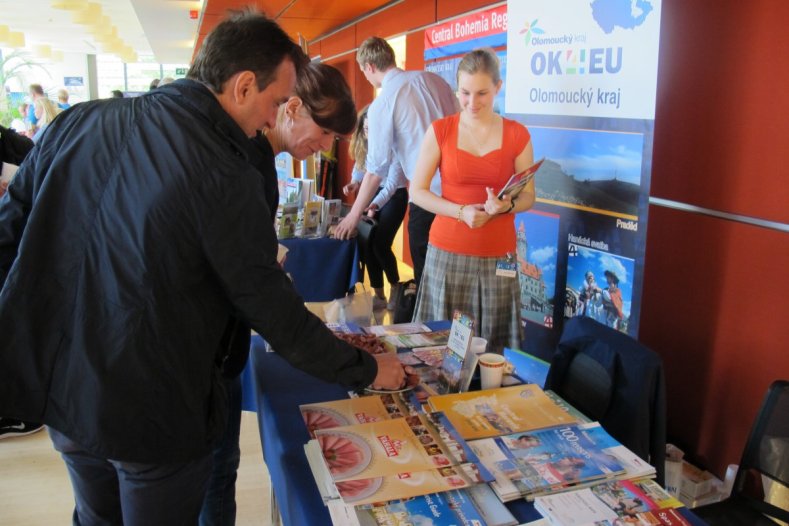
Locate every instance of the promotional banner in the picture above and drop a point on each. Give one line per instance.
(576, 57)
(462, 34)
(581, 75)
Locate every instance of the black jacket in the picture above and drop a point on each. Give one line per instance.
(132, 233)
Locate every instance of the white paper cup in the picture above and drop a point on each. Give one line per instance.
(478, 345)
(492, 368)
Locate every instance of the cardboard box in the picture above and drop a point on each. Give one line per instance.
(695, 482)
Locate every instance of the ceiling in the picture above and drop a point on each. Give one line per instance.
(309, 19)
(159, 27)
(164, 29)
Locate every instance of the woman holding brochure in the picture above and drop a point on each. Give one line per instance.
(471, 259)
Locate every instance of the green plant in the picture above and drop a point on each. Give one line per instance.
(13, 66)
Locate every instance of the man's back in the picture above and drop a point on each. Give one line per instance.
(408, 103)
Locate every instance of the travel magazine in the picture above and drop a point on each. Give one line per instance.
(612, 503)
(501, 411)
(518, 181)
(557, 459)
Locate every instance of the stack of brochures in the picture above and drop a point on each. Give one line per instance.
(558, 459)
(394, 458)
(640, 501)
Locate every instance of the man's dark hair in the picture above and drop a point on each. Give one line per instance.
(36, 88)
(245, 41)
(326, 95)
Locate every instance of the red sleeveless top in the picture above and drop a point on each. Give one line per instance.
(464, 177)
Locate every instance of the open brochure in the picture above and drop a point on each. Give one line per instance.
(518, 181)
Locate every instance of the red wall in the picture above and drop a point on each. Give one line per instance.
(715, 294)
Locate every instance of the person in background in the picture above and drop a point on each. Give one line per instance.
(116, 94)
(46, 111)
(114, 321)
(388, 208)
(63, 99)
(321, 109)
(35, 91)
(408, 102)
(19, 123)
(471, 259)
(153, 85)
(165, 81)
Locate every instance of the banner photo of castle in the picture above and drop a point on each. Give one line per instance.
(537, 246)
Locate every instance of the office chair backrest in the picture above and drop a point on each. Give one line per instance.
(587, 386)
(766, 452)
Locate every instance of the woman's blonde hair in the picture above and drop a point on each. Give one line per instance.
(49, 110)
(358, 146)
(483, 60)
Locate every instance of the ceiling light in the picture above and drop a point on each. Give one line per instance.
(4, 32)
(109, 36)
(69, 5)
(89, 15)
(57, 55)
(42, 50)
(16, 39)
(102, 26)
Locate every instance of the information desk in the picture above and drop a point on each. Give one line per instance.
(324, 268)
(280, 390)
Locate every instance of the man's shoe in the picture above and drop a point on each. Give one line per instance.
(10, 427)
(395, 288)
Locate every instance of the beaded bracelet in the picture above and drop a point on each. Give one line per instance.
(460, 212)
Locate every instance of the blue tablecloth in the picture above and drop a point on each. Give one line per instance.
(280, 389)
(323, 269)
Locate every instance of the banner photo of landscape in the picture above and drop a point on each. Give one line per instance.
(581, 248)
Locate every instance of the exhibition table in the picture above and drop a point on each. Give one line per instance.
(324, 268)
(280, 389)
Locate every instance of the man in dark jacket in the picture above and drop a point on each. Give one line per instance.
(131, 235)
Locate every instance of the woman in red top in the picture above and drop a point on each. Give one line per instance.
(473, 234)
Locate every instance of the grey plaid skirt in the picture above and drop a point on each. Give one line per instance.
(469, 284)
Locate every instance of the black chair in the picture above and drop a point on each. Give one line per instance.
(615, 380)
(766, 457)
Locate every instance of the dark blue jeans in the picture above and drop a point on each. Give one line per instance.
(109, 492)
(219, 506)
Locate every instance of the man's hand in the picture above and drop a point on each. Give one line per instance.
(351, 188)
(347, 227)
(391, 374)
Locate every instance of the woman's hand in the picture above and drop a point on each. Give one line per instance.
(495, 206)
(351, 188)
(474, 215)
